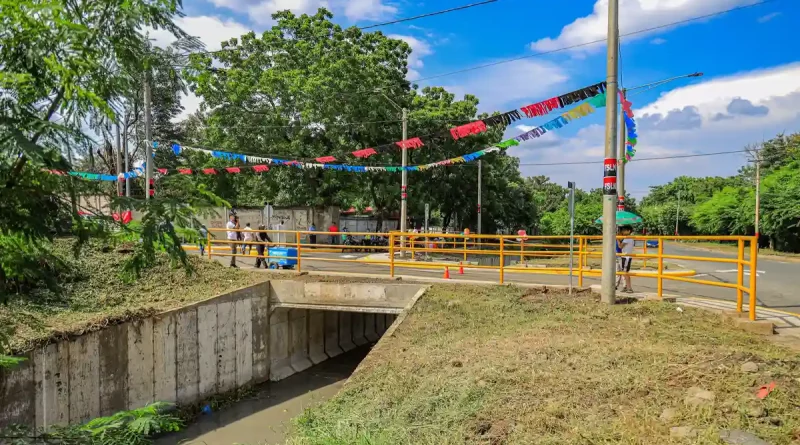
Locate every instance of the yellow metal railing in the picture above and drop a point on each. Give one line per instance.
(403, 249)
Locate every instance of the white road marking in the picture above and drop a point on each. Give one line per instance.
(746, 272)
(700, 275)
(348, 256)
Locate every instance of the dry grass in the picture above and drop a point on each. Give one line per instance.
(497, 365)
(95, 296)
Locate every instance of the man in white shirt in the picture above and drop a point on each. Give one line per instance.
(232, 237)
(627, 245)
(248, 238)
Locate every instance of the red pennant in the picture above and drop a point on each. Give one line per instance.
(468, 129)
(233, 169)
(260, 168)
(410, 143)
(364, 153)
(626, 105)
(325, 159)
(163, 171)
(185, 171)
(209, 171)
(541, 108)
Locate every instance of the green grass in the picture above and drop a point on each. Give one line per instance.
(92, 295)
(501, 365)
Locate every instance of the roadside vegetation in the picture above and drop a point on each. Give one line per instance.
(492, 365)
(91, 293)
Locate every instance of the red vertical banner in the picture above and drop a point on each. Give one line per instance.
(152, 187)
(621, 203)
(610, 176)
(403, 194)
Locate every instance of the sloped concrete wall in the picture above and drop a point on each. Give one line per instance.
(178, 356)
(182, 356)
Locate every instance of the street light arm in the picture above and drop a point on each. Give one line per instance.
(661, 82)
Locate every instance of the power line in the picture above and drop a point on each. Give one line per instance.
(696, 155)
(580, 45)
(430, 14)
(407, 19)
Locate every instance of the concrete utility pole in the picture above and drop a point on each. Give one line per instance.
(404, 185)
(621, 163)
(571, 186)
(677, 213)
(118, 151)
(148, 135)
(479, 196)
(608, 279)
(758, 192)
(127, 166)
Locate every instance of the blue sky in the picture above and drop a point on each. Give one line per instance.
(750, 91)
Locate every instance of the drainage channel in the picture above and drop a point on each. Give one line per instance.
(265, 417)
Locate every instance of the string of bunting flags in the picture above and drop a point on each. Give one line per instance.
(459, 132)
(630, 125)
(595, 101)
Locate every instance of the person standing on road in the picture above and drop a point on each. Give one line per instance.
(248, 238)
(263, 237)
(627, 249)
(334, 231)
(233, 236)
(312, 237)
(201, 243)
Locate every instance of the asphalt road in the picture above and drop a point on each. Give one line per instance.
(777, 280)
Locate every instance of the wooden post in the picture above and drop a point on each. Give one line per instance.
(208, 243)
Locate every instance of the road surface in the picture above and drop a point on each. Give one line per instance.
(777, 280)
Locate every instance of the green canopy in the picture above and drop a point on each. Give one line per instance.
(624, 218)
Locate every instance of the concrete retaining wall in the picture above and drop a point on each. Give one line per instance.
(182, 356)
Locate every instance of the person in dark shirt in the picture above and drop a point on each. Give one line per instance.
(261, 237)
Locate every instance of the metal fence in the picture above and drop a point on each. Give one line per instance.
(501, 253)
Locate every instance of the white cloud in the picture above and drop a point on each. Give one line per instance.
(513, 85)
(368, 10)
(210, 30)
(776, 89)
(633, 16)
(768, 17)
(658, 41)
(763, 88)
(260, 11)
(419, 49)
(191, 104)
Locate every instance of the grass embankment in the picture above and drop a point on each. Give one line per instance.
(92, 295)
(503, 365)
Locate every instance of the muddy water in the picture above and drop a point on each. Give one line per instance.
(265, 418)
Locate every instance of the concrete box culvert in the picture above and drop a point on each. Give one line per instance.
(186, 355)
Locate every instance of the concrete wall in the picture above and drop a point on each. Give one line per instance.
(182, 356)
(358, 296)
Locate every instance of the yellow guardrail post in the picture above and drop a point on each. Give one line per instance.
(391, 254)
(208, 243)
(753, 275)
(299, 255)
(521, 250)
(502, 259)
(580, 261)
(740, 276)
(645, 252)
(465, 249)
(660, 266)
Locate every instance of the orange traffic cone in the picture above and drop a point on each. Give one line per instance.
(446, 273)
(460, 268)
